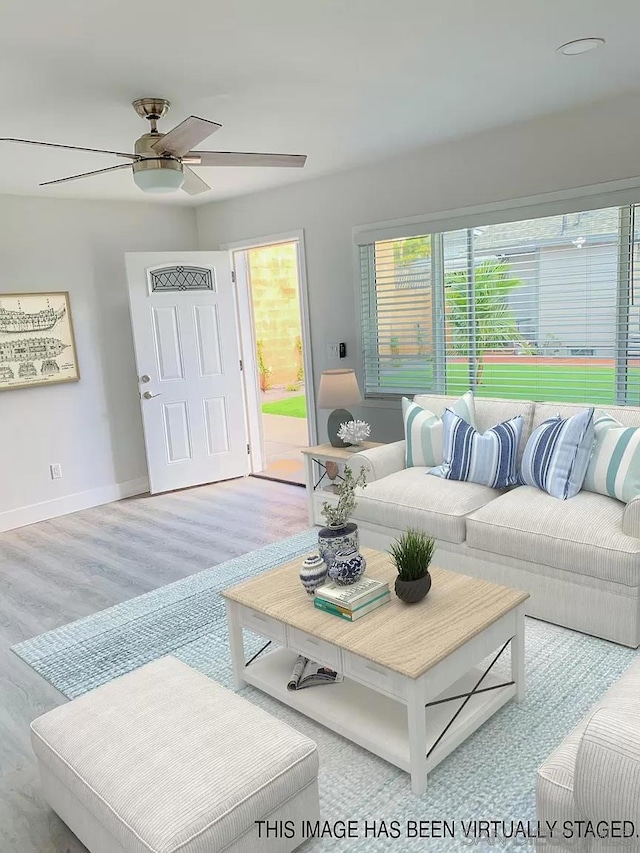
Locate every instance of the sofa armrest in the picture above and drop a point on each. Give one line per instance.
(607, 771)
(379, 462)
(631, 518)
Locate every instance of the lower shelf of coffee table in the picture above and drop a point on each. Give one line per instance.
(373, 720)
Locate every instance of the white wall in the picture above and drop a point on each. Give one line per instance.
(92, 427)
(594, 144)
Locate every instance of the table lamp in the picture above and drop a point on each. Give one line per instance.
(338, 388)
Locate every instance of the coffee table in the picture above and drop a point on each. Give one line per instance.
(414, 686)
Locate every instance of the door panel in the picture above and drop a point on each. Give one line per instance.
(176, 431)
(208, 340)
(167, 343)
(184, 321)
(217, 424)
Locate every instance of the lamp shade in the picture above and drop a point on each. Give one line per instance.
(159, 180)
(338, 388)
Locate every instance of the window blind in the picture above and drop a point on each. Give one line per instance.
(543, 309)
(398, 316)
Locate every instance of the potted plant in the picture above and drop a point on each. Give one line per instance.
(412, 553)
(340, 533)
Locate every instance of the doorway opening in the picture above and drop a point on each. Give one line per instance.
(275, 336)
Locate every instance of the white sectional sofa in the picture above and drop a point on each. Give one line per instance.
(579, 559)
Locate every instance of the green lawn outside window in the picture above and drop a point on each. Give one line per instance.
(566, 383)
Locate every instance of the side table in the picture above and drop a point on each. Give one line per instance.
(320, 487)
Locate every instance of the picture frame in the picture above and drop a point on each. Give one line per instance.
(37, 341)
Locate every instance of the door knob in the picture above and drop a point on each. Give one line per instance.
(149, 396)
(145, 378)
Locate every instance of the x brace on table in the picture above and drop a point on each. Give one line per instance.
(476, 691)
(266, 646)
(466, 696)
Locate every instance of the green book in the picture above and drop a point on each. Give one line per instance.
(352, 615)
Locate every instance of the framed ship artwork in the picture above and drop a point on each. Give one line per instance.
(37, 346)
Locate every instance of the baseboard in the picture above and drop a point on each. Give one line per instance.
(71, 503)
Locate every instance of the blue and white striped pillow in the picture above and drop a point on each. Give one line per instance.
(423, 430)
(557, 455)
(489, 458)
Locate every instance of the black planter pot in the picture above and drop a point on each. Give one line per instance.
(413, 591)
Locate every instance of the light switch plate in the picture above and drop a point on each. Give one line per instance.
(333, 351)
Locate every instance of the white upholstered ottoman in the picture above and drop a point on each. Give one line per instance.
(164, 760)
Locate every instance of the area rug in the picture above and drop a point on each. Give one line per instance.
(490, 777)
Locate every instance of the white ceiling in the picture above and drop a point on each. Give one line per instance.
(343, 81)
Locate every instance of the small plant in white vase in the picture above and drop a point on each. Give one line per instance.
(340, 533)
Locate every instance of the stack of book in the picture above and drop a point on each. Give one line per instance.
(352, 602)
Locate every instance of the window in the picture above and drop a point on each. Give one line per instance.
(398, 318)
(539, 309)
(181, 278)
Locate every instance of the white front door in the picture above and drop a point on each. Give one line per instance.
(184, 319)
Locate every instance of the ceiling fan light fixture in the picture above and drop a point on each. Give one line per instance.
(158, 176)
(161, 161)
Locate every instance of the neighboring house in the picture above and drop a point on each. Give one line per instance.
(569, 269)
(566, 305)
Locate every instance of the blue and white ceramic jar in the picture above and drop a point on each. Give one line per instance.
(313, 573)
(337, 538)
(347, 567)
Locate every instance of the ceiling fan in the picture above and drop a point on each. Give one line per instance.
(162, 162)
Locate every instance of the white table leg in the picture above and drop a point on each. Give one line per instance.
(236, 643)
(309, 473)
(517, 655)
(416, 717)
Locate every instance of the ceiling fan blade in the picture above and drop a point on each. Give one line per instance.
(185, 135)
(70, 147)
(86, 174)
(193, 184)
(241, 158)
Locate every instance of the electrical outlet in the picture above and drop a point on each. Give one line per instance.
(333, 351)
(56, 471)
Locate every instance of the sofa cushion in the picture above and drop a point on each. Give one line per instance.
(489, 412)
(583, 535)
(557, 454)
(488, 458)
(423, 430)
(614, 466)
(411, 499)
(627, 415)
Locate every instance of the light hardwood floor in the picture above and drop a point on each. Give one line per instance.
(61, 570)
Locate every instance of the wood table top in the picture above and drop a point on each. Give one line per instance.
(407, 638)
(328, 451)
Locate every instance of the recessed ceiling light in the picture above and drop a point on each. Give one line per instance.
(573, 48)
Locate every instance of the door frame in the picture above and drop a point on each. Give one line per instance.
(246, 330)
